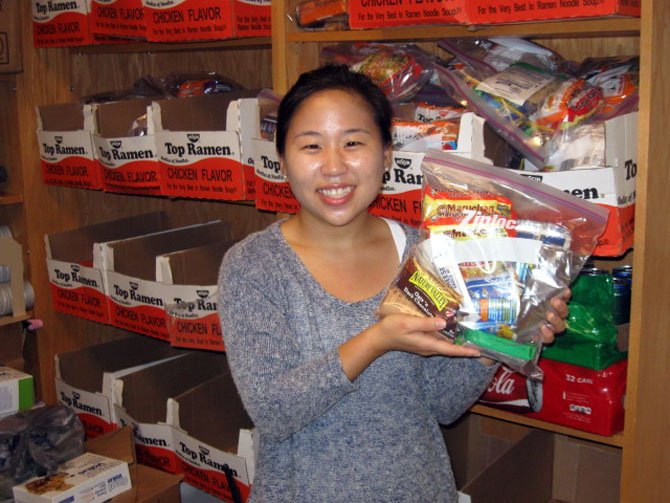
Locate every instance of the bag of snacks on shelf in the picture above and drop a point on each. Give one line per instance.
(497, 248)
(185, 85)
(526, 104)
(498, 53)
(619, 79)
(400, 70)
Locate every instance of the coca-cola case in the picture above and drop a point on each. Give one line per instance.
(570, 395)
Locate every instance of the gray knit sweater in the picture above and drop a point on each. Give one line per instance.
(322, 437)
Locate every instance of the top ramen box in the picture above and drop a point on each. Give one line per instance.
(514, 11)
(66, 150)
(198, 145)
(125, 150)
(366, 14)
(612, 186)
(191, 277)
(84, 376)
(144, 400)
(87, 478)
(400, 197)
(214, 439)
(76, 280)
(137, 300)
(60, 23)
(184, 20)
(272, 190)
(118, 18)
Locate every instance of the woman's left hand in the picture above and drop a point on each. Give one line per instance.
(555, 316)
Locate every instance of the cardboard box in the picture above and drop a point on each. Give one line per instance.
(272, 189)
(84, 377)
(198, 147)
(514, 11)
(570, 395)
(193, 319)
(137, 299)
(498, 461)
(611, 187)
(77, 282)
(143, 401)
(65, 145)
(17, 391)
(58, 24)
(179, 21)
(365, 14)
(148, 484)
(214, 439)
(128, 164)
(10, 37)
(87, 478)
(118, 18)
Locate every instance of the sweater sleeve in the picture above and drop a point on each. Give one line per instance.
(281, 393)
(452, 385)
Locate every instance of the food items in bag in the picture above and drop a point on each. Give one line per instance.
(399, 70)
(506, 245)
(619, 79)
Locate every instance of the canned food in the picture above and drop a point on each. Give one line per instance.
(622, 294)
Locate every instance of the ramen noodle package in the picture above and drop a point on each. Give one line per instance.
(496, 248)
(619, 79)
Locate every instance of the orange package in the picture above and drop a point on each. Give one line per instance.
(314, 12)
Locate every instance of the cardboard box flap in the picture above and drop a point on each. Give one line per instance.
(117, 444)
(214, 414)
(521, 474)
(136, 257)
(155, 486)
(76, 245)
(115, 120)
(84, 368)
(144, 394)
(200, 113)
(195, 266)
(72, 116)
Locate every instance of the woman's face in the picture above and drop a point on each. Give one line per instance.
(334, 156)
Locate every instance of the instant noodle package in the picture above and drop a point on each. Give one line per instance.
(496, 248)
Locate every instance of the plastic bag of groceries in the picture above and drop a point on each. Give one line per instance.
(526, 103)
(496, 248)
(36, 442)
(400, 70)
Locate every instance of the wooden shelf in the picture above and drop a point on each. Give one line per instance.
(149, 47)
(8, 199)
(10, 320)
(596, 27)
(615, 440)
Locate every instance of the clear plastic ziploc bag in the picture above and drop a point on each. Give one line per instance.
(496, 248)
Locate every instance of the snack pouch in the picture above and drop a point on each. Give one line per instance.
(400, 70)
(619, 79)
(500, 246)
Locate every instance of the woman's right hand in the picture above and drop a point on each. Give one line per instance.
(398, 332)
(417, 334)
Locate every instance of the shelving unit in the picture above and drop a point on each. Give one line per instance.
(644, 454)
(62, 75)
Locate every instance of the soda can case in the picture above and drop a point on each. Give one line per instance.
(570, 395)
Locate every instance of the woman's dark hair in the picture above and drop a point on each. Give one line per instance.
(327, 78)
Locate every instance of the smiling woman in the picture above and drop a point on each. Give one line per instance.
(347, 407)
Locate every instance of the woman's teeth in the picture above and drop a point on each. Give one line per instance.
(336, 193)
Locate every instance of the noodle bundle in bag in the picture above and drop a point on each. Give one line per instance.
(497, 248)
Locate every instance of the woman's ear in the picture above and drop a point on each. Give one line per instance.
(388, 158)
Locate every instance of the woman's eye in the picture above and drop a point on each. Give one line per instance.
(310, 146)
(353, 143)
